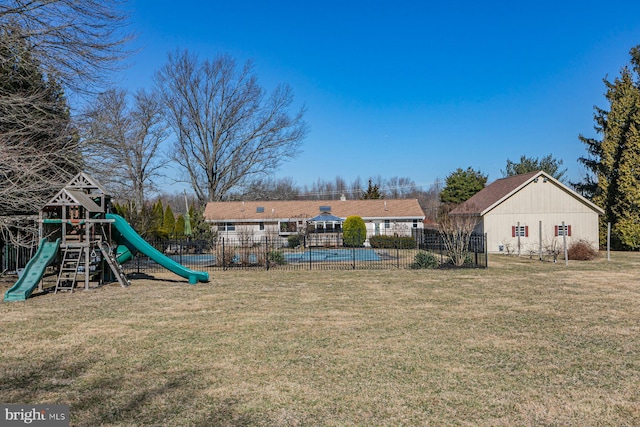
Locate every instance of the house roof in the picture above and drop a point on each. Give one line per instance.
(305, 209)
(501, 189)
(326, 217)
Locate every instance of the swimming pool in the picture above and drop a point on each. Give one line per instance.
(332, 255)
(307, 255)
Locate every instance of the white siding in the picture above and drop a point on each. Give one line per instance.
(537, 202)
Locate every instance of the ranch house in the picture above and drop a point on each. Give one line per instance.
(527, 212)
(252, 220)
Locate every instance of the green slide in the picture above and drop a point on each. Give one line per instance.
(130, 241)
(33, 272)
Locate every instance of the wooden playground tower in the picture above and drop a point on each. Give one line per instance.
(76, 216)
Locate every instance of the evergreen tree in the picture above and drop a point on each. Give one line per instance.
(354, 231)
(169, 222)
(549, 164)
(614, 160)
(179, 230)
(38, 145)
(157, 221)
(200, 229)
(461, 185)
(373, 192)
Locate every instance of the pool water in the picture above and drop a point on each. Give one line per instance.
(328, 255)
(313, 255)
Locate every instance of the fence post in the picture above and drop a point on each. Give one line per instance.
(564, 239)
(266, 250)
(486, 251)
(223, 256)
(353, 257)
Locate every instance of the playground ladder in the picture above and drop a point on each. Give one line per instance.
(68, 274)
(115, 266)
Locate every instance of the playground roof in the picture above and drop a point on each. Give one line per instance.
(68, 197)
(86, 182)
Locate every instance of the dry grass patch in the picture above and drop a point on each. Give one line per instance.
(522, 343)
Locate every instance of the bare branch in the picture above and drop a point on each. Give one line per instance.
(76, 41)
(122, 143)
(456, 231)
(228, 130)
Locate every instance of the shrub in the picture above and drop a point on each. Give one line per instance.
(581, 250)
(424, 260)
(293, 241)
(392, 242)
(277, 258)
(224, 258)
(354, 231)
(463, 259)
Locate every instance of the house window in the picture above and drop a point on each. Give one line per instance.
(288, 227)
(227, 226)
(415, 223)
(562, 230)
(261, 226)
(387, 223)
(520, 231)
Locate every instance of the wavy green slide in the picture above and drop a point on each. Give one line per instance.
(130, 242)
(33, 271)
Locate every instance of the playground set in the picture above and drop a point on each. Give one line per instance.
(87, 243)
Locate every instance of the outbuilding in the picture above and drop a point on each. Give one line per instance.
(531, 212)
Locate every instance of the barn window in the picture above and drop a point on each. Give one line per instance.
(520, 231)
(563, 230)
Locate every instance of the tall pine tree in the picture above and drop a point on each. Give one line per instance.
(38, 147)
(614, 160)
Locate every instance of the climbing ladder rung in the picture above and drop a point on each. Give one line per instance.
(68, 274)
(115, 266)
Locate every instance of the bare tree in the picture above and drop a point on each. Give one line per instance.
(429, 200)
(228, 130)
(268, 189)
(122, 143)
(456, 230)
(73, 40)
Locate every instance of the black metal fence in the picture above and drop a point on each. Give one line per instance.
(14, 258)
(266, 253)
(312, 253)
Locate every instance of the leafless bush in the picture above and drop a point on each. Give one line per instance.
(554, 248)
(456, 233)
(508, 247)
(581, 250)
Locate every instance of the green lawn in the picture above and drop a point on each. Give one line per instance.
(521, 343)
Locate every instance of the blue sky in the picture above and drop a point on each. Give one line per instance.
(414, 89)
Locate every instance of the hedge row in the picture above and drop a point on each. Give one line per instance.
(392, 242)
